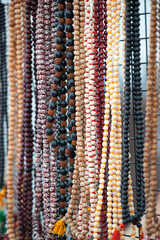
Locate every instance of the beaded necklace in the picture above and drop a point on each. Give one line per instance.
(150, 146)
(3, 92)
(78, 200)
(40, 78)
(130, 195)
(133, 29)
(24, 188)
(15, 71)
(112, 103)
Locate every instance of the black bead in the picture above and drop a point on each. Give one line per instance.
(63, 62)
(62, 198)
(72, 122)
(60, 14)
(63, 77)
(54, 143)
(62, 157)
(57, 54)
(62, 185)
(63, 171)
(70, 83)
(50, 118)
(59, 40)
(72, 109)
(60, 27)
(62, 90)
(63, 117)
(70, 42)
(58, 67)
(71, 168)
(70, 55)
(72, 95)
(52, 105)
(62, 150)
(72, 155)
(63, 104)
(63, 211)
(70, 69)
(74, 136)
(62, 142)
(62, 130)
(56, 80)
(49, 131)
(69, 13)
(54, 93)
(69, 28)
(70, 183)
(69, 139)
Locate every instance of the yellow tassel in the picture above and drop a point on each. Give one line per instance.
(59, 228)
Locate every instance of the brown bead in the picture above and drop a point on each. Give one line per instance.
(72, 88)
(69, 34)
(71, 161)
(63, 110)
(62, 20)
(69, 6)
(53, 99)
(60, 34)
(58, 60)
(51, 112)
(67, 151)
(70, 189)
(70, 48)
(58, 74)
(58, 47)
(74, 129)
(63, 83)
(63, 164)
(71, 102)
(60, 6)
(51, 138)
(63, 123)
(74, 142)
(54, 86)
(62, 204)
(64, 55)
(71, 175)
(48, 124)
(63, 178)
(70, 62)
(56, 149)
(70, 76)
(63, 191)
(73, 116)
(69, 21)
(63, 136)
(63, 97)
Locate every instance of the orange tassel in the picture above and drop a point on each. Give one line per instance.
(116, 235)
(141, 236)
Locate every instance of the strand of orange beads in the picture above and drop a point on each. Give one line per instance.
(12, 121)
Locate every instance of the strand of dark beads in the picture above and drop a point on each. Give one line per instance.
(3, 90)
(127, 101)
(58, 105)
(102, 79)
(97, 73)
(70, 151)
(33, 13)
(27, 137)
(138, 113)
(132, 45)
